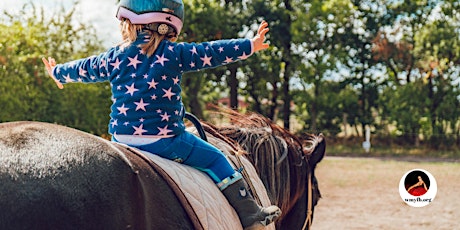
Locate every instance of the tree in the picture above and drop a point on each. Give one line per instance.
(279, 14)
(209, 20)
(427, 52)
(27, 91)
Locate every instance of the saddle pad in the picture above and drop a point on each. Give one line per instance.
(207, 201)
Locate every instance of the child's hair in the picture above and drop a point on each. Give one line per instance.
(130, 31)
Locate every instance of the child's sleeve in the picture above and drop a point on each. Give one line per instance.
(91, 69)
(193, 56)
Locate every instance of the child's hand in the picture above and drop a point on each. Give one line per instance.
(49, 65)
(258, 40)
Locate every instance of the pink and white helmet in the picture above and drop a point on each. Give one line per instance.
(169, 12)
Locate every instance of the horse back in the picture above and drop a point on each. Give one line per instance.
(54, 177)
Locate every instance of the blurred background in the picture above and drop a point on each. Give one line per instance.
(339, 67)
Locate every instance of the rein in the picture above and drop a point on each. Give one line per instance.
(308, 219)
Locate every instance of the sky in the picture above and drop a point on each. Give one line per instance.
(100, 13)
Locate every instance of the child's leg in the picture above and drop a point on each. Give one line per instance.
(193, 151)
(211, 160)
(206, 158)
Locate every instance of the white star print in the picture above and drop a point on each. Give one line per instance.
(152, 84)
(228, 60)
(116, 64)
(244, 56)
(164, 131)
(103, 63)
(206, 60)
(141, 105)
(168, 93)
(159, 80)
(139, 130)
(131, 89)
(161, 60)
(123, 109)
(193, 50)
(82, 72)
(176, 80)
(114, 123)
(68, 78)
(165, 117)
(134, 62)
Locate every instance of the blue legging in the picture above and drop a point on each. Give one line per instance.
(193, 151)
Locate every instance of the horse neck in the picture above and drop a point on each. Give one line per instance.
(280, 164)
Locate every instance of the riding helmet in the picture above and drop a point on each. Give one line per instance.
(160, 12)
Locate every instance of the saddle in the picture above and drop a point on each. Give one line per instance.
(203, 201)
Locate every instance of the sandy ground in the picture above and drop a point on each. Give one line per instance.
(362, 193)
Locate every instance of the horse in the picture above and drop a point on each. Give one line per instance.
(285, 163)
(57, 177)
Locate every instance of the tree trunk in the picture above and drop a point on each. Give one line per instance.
(233, 84)
(287, 70)
(272, 112)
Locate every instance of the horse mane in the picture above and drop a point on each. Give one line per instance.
(278, 156)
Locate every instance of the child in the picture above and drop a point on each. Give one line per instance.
(145, 73)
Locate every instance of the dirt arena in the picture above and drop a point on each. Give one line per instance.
(362, 193)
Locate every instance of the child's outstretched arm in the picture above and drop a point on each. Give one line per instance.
(49, 64)
(258, 40)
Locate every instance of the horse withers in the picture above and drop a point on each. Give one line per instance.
(55, 177)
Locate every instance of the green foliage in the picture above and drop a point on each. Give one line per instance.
(393, 65)
(405, 110)
(27, 91)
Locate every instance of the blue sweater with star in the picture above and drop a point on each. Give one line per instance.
(146, 91)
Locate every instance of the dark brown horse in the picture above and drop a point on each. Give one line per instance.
(55, 177)
(285, 165)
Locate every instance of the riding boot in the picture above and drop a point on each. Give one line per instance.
(251, 215)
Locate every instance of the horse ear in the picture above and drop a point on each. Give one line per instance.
(318, 154)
